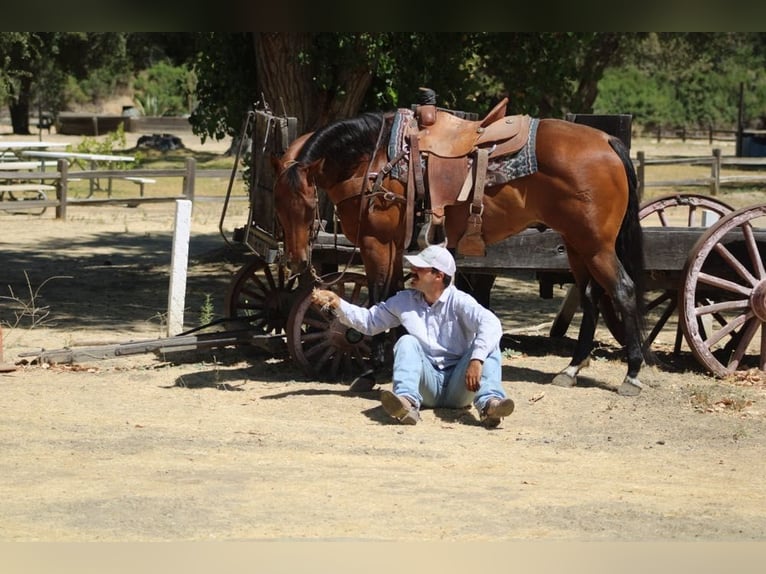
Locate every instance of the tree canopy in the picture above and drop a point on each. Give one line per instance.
(318, 77)
(660, 78)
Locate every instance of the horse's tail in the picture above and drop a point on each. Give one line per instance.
(630, 244)
(630, 240)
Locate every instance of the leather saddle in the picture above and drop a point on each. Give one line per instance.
(450, 136)
(457, 152)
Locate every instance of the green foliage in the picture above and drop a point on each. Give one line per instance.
(165, 90)
(630, 91)
(226, 88)
(206, 311)
(105, 146)
(688, 80)
(109, 144)
(99, 84)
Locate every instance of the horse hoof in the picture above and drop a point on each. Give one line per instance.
(630, 388)
(564, 380)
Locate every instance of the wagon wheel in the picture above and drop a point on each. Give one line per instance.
(682, 210)
(723, 300)
(318, 341)
(262, 294)
(679, 210)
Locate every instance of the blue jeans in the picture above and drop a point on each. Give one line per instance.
(425, 385)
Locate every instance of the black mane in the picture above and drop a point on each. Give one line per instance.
(344, 142)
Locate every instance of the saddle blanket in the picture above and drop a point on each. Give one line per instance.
(500, 170)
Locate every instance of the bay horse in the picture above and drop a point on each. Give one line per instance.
(584, 187)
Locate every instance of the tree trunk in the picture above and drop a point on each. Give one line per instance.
(288, 87)
(19, 108)
(601, 55)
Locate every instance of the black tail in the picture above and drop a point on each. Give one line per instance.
(630, 240)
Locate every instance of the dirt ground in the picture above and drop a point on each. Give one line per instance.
(238, 444)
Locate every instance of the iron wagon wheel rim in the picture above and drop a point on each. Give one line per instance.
(262, 293)
(665, 301)
(319, 343)
(730, 297)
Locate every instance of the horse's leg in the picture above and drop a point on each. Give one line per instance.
(615, 281)
(383, 278)
(590, 292)
(624, 299)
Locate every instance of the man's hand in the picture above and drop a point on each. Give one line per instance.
(473, 375)
(326, 300)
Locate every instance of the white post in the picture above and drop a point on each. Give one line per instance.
(178, 265)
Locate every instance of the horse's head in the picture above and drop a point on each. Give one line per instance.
(295, 204)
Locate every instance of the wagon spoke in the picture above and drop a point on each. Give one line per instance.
(315, 321)
(716, 308)
(658, 326)
(762, 355)
(752, 249)
(744, 342)
(735, 263)
(335, 365)
(727, 329)
(326, 358)
(692, 220)
(722, 283)
(657, 301)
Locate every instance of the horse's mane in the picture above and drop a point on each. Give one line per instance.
(342, 144)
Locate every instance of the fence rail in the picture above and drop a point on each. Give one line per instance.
(62, 178)
(710, 134)
(714, 182)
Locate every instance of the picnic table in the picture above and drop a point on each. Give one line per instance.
(11, 149)
(83, 160)
(21, 165)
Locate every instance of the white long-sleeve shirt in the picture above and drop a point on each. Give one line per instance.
(453, 325)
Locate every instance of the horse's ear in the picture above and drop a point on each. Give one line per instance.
(315, 167)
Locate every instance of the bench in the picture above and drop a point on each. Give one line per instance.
(140, 182)
(11, 187)
(22, 188)
(21, 165)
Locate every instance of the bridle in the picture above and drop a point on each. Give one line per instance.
(371, 187)
(312, 203)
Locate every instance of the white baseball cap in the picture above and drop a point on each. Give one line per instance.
(434, 256)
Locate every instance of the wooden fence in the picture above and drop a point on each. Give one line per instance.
(710, 134)
(62, 178)
(716, 162)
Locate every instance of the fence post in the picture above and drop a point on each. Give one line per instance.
(178, 267)
(640, 156)
(715, 172)
(63, 188)
(191, 170)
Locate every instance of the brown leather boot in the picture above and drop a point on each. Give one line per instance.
(495, 410)
(399, 407)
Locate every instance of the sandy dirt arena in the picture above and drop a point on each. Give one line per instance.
(238, 444)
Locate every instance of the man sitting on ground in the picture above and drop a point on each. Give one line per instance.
(450, 355)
